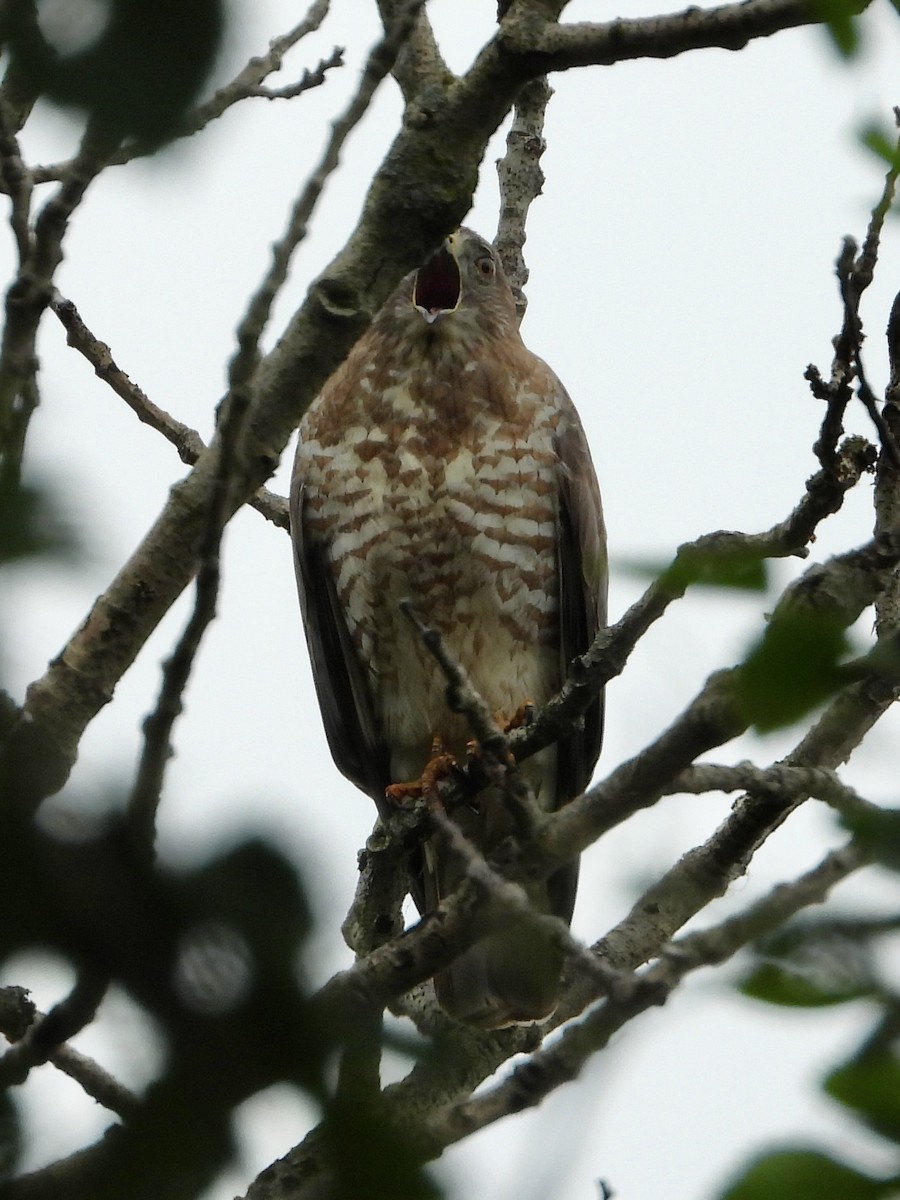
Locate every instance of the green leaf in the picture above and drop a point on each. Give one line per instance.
(804, 967)
(799, 1174)
(870, 1086)
(794, 667)
(878, 830)
(838, 16)
(881, 140)
(31, 524)
(777, 984)
(738, 570)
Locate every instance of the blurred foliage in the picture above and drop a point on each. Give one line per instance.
(742, 571)
(373, 1158)
(810, 965)
(869, 1085)
(842, 24)
(32, 523)
(136, 78)
(842, 27)
(803, 1174)
(738, 570)
(795, 666)
(32, 527)
(824, 960)
(882, 140)
(878, 831)
(213, 955)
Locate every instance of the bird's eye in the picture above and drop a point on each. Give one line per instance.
(485, 267)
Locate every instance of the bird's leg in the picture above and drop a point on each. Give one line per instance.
(523, 716)
(439, 766)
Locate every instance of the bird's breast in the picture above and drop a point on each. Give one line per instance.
(463, 528)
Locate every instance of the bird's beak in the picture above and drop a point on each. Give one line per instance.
(437, 287)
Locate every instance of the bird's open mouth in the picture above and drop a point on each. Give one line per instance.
(437, 285)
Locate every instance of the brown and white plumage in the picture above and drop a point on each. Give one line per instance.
(444, 463)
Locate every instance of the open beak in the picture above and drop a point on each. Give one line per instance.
(437, 287)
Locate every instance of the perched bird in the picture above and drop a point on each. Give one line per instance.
(443, 463)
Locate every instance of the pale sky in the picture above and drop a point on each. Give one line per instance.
(682, 277)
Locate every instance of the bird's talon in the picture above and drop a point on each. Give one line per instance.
(439, 766)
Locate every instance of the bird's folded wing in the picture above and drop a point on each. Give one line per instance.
(353, 731)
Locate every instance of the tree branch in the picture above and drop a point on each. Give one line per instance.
(40, 252)
(521, 182)
(558, 47)
(694, 561)
(187, 441)
(18, 1017)
(420, 193)
(420, 69)
(779, 780)
(563, 1061)
(45, 1034)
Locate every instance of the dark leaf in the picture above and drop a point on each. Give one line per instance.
(777, 984)
(881, 140)
(803, 966)
(839, 19)
(804, 1175)
(31, 523)
(137, 77)
(870, 1086)
(879, 833)
(794, 667)
(744, 572)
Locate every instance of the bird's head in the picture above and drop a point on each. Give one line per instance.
(460, 293)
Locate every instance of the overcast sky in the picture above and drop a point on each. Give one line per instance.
(682, 277)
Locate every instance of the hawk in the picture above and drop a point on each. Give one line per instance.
(444, 464)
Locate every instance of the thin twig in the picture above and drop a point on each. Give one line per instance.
(18, 1015)
(563, 1061)
(187, 441)
(30, 294)
(17, 182)
(779, 780)
(494, 759)
(512, 901)
(709, 947)
(612, 647)
(146, 792)
(855, 272)
(849, 274)
(462, 696)
(378, 65)
(233, 411)
(246, 84)
(309, 79)
(47, 1033)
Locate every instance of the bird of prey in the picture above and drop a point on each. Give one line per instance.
(444, 464)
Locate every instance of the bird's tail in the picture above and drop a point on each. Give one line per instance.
(508, 978)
